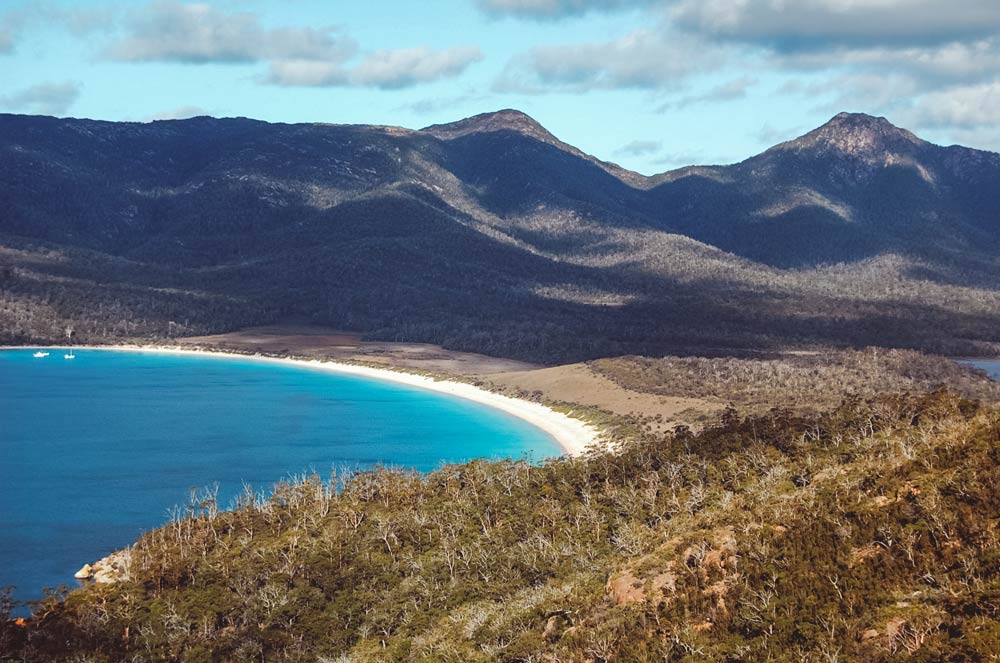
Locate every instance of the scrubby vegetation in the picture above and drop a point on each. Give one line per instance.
(866, 533)
(817, 380)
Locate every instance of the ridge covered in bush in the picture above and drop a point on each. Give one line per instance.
(865, 533)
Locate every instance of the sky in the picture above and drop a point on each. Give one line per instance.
(649, 84)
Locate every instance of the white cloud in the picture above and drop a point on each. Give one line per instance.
(639, 148)
(812, 24)
(307, 73)
(555, 9)
(966, 107)
(433, 105)
(387, 69)
(644, 59)
(179, 113)
(45, 12)
(198, 33)
(728, 91)
(408, 66)
(77, 21)
(173, 31)
(861, 90)
(43, 99)
(952, 62)
(682, 159)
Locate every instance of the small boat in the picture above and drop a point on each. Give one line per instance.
(40, 354)
(69, 355)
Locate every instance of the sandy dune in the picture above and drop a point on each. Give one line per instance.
(577, 383)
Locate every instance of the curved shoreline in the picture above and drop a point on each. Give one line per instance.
(572, 435)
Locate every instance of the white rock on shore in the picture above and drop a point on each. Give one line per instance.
(113, 568)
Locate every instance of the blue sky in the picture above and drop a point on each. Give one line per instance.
(650, 84)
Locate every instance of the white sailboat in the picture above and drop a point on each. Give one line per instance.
(69, 355)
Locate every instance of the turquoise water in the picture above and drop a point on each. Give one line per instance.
(991, 366)
(97, 450)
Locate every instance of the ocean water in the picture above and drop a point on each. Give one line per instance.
(97, 450)
(991, 366)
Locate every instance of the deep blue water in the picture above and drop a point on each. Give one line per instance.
(95, 451)
(991, 366)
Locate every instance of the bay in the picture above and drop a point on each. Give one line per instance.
(991, 366)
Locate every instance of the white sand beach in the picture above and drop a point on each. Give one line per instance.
(574, 436)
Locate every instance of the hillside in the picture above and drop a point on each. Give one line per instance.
(864, 534)
(854, 188)
(812, 381)
(492, 235)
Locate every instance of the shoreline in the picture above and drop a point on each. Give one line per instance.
(573, 436)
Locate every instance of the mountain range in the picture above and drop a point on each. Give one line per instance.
(491, 234)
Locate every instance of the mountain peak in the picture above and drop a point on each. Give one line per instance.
(507, 119)
(863, 122)
(856, 134)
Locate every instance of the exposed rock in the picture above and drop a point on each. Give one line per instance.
(113, 568)
(625, 588)
(870, 634)
(858, 135)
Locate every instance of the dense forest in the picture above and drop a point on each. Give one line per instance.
(864, 533)
(491, 235)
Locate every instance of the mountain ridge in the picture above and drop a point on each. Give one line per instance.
(856, 133)
(487, 234)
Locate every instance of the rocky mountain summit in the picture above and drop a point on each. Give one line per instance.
(858, 135)
(503, 120)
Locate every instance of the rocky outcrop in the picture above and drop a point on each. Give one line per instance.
(113, 568)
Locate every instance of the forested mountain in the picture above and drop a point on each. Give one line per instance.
(493, 235)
